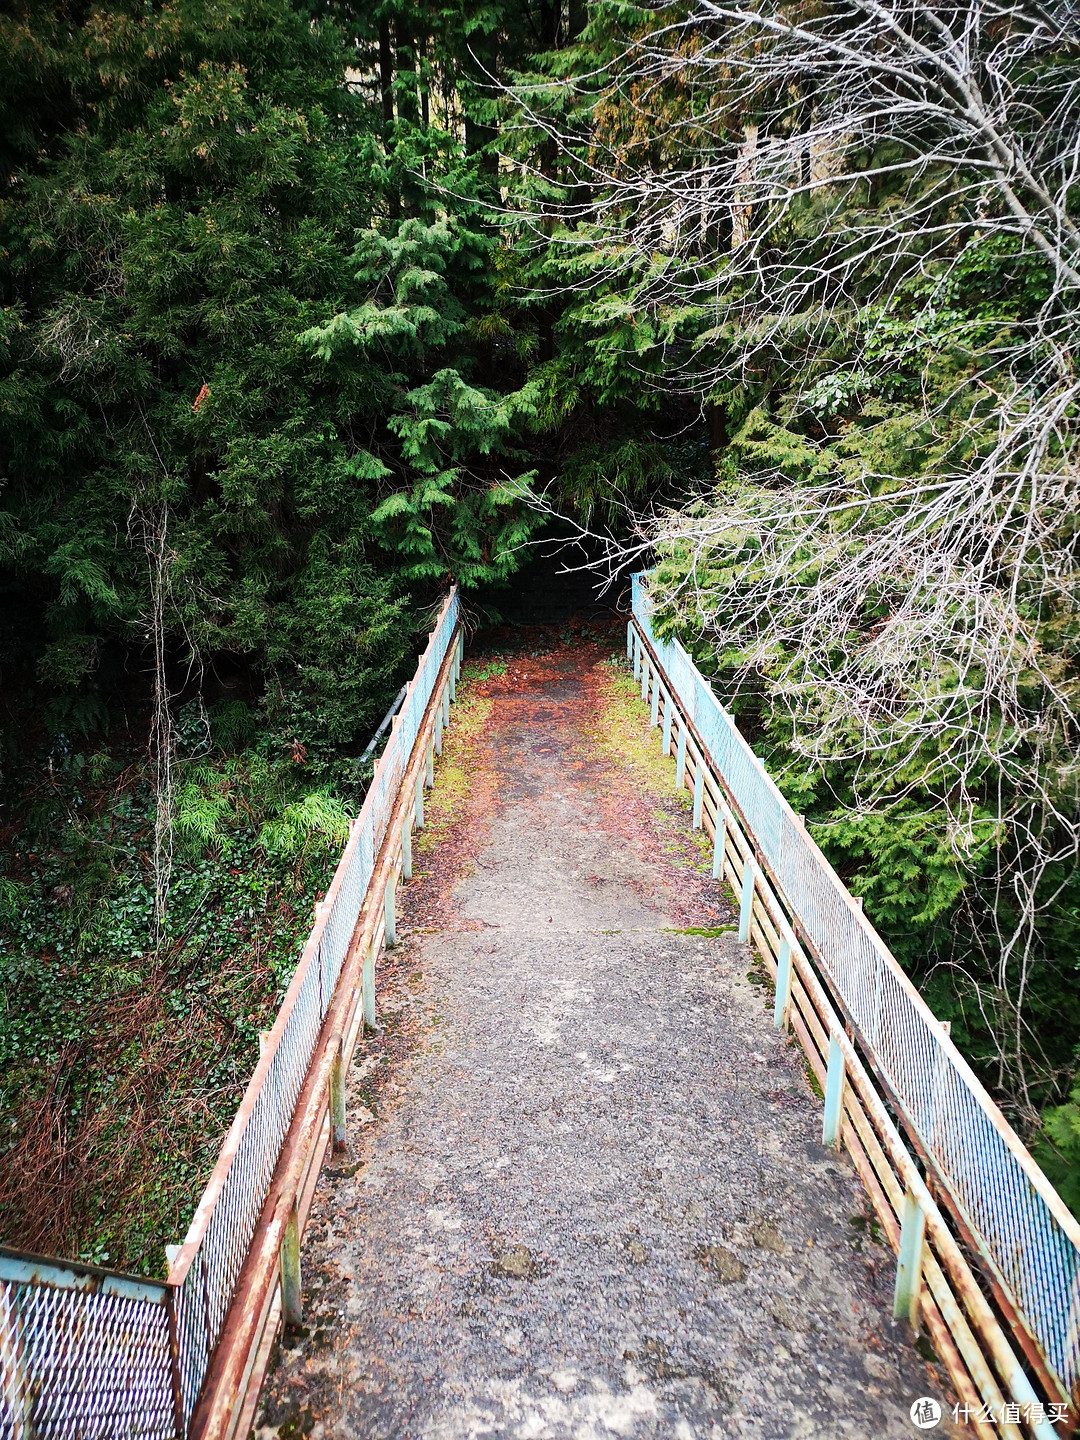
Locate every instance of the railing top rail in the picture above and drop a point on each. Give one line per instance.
(201, 1219)
(20, 1267)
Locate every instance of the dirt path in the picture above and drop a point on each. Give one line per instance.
(585, 1194)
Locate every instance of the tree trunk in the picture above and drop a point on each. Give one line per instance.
(550, 16)
(421, 54)
(406, 72)
(483, 69)
(716, 420)
(386, 71)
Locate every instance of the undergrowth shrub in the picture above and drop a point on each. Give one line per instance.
(121, 1062)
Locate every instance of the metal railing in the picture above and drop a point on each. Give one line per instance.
(83, 1352)
(957, 1185)
(88, 1354)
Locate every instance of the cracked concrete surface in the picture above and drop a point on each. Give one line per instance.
(590, 1198)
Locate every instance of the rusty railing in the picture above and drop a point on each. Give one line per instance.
(86, 1354)
(988, 1254)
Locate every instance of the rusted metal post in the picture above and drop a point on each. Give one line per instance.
(389, 914)
(406, 849)
(419, 803)
(292, 1308)
(719, 844)
(176, 1378)
(746, 900)
(337, 1099)
(367, 988)
(834, 1094)
(429, 766)
(667, 725)
(782, 1004)
(680, 758)
(909, 1262)
(699, 794)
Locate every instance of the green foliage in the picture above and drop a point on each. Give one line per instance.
(334, 647)
(462, 515)
(904, 863)
(614, 478)
(165, 256)
(133, 1055)
(1059, 1151)
(318, 820)
(242, 334)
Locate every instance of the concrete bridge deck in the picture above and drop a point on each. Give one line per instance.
(584, 1193)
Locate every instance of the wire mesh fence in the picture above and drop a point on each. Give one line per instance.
(82, 1353)
(87, 1356)
(1023, 1230)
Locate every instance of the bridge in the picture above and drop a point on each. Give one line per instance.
(595, 1106)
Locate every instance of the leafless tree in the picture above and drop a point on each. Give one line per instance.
(149, 523)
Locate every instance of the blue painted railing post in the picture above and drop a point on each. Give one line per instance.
(337, 1097)
(680, 759)
(390, 914)
(834, 1094)
(367, 987)
(429, 765)
(645, 667)
(746, 900)
(292, 1309)
(909, 1262)
(406, 849)
(655, 716)
(699, 795)
(419, 810)
(783, 986)
(630, 642)
(719, 844)
(667, 725)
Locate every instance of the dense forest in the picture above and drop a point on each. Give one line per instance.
(309, 308)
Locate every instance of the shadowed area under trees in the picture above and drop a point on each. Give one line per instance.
(309, 308)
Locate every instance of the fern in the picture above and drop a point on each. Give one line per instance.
(13, 899)
(203, 801)
(318, 818)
